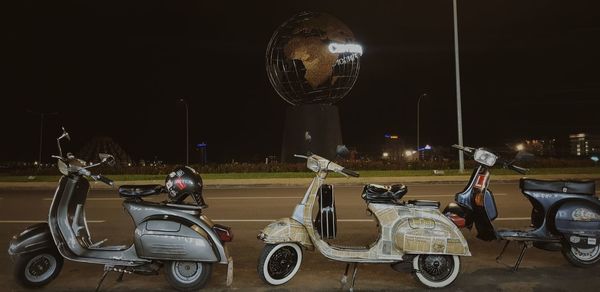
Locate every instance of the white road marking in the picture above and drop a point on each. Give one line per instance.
(40, 221)
(513, 218)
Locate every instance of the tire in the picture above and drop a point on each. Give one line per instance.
(187, 276)
(278, 263)
(579, 257)
(436, 271)
(37, 268)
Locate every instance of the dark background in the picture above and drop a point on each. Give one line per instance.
(528, 68)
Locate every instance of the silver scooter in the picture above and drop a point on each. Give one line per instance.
(174, 235)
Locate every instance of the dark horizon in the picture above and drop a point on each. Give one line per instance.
(117, 69)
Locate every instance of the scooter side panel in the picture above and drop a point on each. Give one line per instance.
(168, 240)
(427, 231)
(580, 219)
(286, 230)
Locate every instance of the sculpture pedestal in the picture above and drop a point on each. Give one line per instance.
(322, 121)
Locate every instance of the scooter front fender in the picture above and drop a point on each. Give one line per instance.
(286, 230)
(35, 237)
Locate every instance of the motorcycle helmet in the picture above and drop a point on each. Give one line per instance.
(182, 182)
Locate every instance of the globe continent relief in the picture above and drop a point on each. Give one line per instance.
(300, 64)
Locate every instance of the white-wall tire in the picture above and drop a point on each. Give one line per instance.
(424, 272)
(279, 263)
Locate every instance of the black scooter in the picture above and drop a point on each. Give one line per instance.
(565, 215)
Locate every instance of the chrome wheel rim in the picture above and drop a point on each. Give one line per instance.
(436, 267)
(40, 268)
(586, 254)
(282, 262)
(186, 272)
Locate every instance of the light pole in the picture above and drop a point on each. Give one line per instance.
(187, 132)
(42, 115)
(461, 158)
(418, 121)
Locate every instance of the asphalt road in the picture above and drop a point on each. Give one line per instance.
(248, 210)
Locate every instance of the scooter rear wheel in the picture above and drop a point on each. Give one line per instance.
(37, 268)
(435, 270)
(279, 263)
(187, 276)
(579, 257)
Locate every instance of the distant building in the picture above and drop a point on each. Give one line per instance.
(584, 144)
(538, 147)
(541, 147)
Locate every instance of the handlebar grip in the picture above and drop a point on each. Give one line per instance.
(350, 172)
(518, 169)
(105, 180)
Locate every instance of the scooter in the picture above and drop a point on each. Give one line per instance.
(565, 214)
(173, 234)
(413, 233)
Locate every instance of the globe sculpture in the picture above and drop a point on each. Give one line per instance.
(313, 58)
(312, 61)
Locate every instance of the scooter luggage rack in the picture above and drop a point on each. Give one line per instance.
(526, 245)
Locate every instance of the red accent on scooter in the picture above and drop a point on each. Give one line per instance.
(457, 220)
(224, 232)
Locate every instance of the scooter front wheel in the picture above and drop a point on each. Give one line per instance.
(187, 276)
(37, 268)
(581, 257)
(278, 263)
(436, 270)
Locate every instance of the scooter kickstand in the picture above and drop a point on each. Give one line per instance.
(102, 279)
(499, 257)
(354, 277)
(120, 278)
(526, 245)
(344, 279)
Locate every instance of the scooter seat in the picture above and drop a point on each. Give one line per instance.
(559, 186)
(134, 191)
(373, 193)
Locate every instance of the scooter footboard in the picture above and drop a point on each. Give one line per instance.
(169, 240)
(286, 230)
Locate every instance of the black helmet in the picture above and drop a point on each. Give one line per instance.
(182, 182)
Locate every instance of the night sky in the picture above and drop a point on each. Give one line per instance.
(528, 69)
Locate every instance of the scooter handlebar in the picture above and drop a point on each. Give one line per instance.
(516, 168)
(463, 148)
(103, 179)
(350, 172)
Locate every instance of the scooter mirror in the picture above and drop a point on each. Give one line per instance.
(65, 134)
(307, 136)
(524, 156)
(342, 151)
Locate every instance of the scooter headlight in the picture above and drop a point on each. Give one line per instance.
(485, 157)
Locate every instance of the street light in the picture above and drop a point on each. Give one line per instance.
(418, 120)
(41, 114)
(187, 132)
(461, 158)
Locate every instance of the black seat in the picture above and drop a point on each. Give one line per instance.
(373, 193)
(135, 191)
(559, 186)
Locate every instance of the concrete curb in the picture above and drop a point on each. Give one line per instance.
(288, 182)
